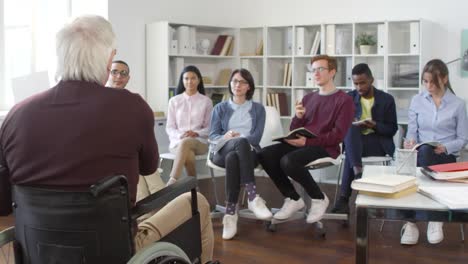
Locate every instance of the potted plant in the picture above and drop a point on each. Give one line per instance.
(365, 42)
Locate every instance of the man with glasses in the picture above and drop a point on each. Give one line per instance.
(328, 114)
(372, 132)
(119, 74)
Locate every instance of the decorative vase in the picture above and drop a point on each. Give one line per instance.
(204, 45)
(365, 49)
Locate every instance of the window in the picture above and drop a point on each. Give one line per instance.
(28, 29)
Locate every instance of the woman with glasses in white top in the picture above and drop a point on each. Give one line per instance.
(188, 122)
(435, 115)
(236, 129)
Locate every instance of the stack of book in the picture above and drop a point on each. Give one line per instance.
(386, 185)
(454, 172)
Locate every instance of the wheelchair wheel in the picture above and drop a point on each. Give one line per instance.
(160, 253)
(7, 237)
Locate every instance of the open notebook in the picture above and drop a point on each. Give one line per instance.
(454, 197)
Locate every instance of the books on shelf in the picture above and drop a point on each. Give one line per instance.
(410, 190)
(259, 51)
(226, 46)
(219, 44)
(293, 134)
(223, 77)
(454, 197)
(385, 183)
(279, 101)
(217, 98)
(315, 44)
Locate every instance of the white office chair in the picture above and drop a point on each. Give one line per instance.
(171, 157)
(273, 128)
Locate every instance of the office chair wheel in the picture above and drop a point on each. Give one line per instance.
(270, 226)
(7, 238)
(320, 229)
(160, 253)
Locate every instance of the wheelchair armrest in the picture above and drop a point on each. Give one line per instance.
(165, 195)
(107, 183)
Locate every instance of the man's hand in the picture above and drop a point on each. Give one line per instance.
(300, 141)
(440, 149)
(231, 134)
(369, 124)
(409, 143)
(300, 110)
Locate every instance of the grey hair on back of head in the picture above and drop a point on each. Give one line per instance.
(83, 48)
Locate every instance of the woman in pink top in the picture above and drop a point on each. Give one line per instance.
(188, 122)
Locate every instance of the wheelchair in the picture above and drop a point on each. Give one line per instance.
(95, 226)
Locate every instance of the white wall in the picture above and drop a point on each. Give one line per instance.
(129, 18)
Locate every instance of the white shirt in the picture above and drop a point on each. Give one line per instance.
(188, 113)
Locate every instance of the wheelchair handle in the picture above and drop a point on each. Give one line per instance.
(107, 183)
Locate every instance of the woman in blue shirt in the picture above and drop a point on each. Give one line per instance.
(236, 129)
(435, 115)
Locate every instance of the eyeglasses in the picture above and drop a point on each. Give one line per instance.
(123, 73)
(319, 69)
(241, 82)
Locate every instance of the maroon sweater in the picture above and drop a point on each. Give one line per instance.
(327, 116)
(77, 133)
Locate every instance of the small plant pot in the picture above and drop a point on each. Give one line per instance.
(365, 49)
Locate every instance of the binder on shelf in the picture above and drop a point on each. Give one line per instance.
(193, 40)
(183, 37)
(414, 37)
(381, 39)
(330, 40)
(342, 41)
(300, 40)
(174, 46)
(219, 44)
(309, 80)
(288, 44)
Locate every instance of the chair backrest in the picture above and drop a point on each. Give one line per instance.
(55, 226)
(273, 126)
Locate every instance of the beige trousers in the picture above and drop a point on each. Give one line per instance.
(173, 215)
(185, 156)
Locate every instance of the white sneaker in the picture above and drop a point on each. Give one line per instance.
(289, 207)
(318, 208)
(409, 234)
(435, 233)
(258, 207)
(229, 226)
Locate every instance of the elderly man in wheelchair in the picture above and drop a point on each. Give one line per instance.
(70, 160)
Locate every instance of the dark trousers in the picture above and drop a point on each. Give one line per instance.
(427, 157)
(357, 146)
(240, 160)
(283, 160)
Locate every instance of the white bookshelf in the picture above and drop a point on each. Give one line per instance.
(396, 60)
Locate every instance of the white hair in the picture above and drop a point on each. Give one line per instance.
(83, 49)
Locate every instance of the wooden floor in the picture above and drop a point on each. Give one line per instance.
(297, 242)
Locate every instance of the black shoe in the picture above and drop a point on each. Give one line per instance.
(341, 206)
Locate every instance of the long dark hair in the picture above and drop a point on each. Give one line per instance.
(248, 77)
(438, 69)
(180, 86)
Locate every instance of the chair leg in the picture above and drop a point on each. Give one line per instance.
(213, 181)
(338, 178)
(462, 232)
(382, 225)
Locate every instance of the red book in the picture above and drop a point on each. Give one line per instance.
(283, 104)
(218, 46)
(450, 167)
